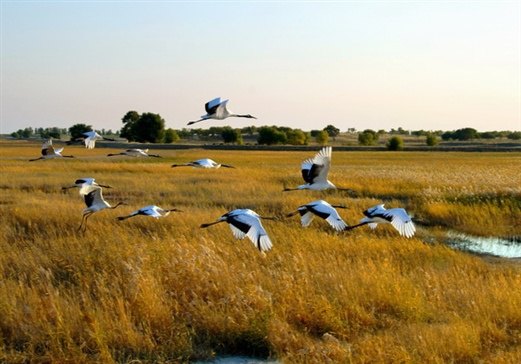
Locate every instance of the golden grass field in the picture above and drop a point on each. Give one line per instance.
(147, 291)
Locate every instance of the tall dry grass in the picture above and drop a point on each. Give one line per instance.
(146, 290)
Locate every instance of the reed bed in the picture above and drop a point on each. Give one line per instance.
(145, 290)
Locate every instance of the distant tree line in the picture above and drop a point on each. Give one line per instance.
(150, 128)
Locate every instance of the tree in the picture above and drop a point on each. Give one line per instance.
(395, 143)
(231, 135)
(431, 139)
(297, 137)
(271, 135)
(322, 137)
(149, 128)
(53, 132)
(516, 135)
(129, 124)
(332, 131)
(23, 133)
(77, 130)
(466, 134)
(368, 137)
(171, 136)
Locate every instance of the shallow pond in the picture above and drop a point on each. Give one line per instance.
(500, 247)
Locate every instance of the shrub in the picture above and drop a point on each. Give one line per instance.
(432, 140)
(368, 137)
(395, 143)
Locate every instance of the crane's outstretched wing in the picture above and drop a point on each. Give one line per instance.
(327, 212)
(401, 222)
(246, 224)
(211, 106)
(221, 112)
(316, 169)
(47, 148)
(93, 196)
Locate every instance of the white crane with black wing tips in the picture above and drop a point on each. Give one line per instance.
(315, 171)
(321, 209)
(135, 152)
(95, 202)
(245, 222)
(85, 184)
(152, 211)
(48, 152)
(216, 109)
(397, 217)
(206, 163)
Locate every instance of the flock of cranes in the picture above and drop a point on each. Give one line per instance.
(243, 222)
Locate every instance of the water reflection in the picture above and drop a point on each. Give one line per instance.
(506, 248)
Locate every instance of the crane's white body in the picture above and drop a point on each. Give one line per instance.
(95, 202)
(397, 217)
(322, 209)
(151, 210)
(315, 171)
(216, 109)
(246, 223)
(205, 163)
(48, 151)
(90, 139)
(94, 199)
(135, 152)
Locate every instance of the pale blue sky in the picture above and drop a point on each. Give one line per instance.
(374, 64)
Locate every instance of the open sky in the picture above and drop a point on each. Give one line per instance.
(355, 64)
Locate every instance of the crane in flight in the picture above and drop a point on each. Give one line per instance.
(48, 152)
(95, 202)
(89, 138)
(216, 109)
(314, 172)
(206, 163)
(85, 185)
(135, 153)
(397, 217)
(151, 210)
(321, 209)
(245, 222)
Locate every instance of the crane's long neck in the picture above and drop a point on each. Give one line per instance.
(357, 225)
(117, 205)
(211, 223)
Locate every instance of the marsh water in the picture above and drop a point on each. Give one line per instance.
(500, 247)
